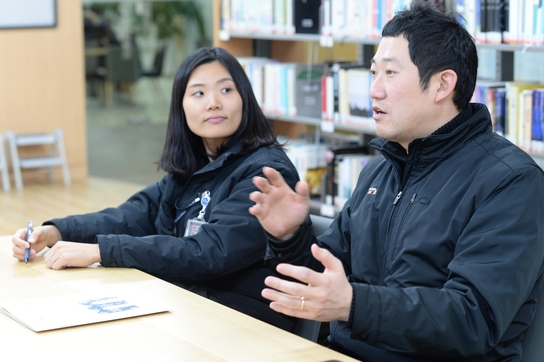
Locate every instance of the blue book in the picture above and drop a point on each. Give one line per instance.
(539, 131)
(500, 111)
(536, 129)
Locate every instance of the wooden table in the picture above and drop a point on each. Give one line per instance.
(194, 329)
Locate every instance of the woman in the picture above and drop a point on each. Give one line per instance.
(192, 228)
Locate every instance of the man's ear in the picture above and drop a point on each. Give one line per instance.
(447, 79)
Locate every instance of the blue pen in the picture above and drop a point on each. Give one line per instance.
(28, 232)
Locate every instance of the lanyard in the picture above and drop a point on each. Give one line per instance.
(204, 199)
(184, 210)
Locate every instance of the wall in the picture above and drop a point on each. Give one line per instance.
(42, 84)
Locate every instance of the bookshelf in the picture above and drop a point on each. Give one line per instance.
(296, 47)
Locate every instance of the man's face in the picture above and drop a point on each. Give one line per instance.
(402, 110)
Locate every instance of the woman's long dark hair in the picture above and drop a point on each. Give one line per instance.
(184, 151)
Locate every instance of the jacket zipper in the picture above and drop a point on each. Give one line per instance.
(399, 195)
(394, 245)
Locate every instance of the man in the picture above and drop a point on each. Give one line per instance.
(442, 241)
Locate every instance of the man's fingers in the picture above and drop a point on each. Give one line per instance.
(256, 196)
(283, 303)
(326, 258)
(304, 276)
(288, 300)
(274, 177)
(302, 189)
(262, 184)
(285, 287)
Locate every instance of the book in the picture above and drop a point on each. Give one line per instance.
(280, 25)
(358, 98)
(335, 68)
(306, 16)
(63, 311)
(525, 121)
(308, 89)
(537, 144)
(500, 112)
(338, 18)
(333, 154)
(513, 90)
(349, 168)
(309, 161)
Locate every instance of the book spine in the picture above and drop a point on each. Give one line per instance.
(500, 127)
(324, 96)
(536, 128)
(335, 69)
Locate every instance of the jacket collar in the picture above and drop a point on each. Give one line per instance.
(445, 141)
(473, 120)
(222, 159)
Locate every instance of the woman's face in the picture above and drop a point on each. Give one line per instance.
(212, 105)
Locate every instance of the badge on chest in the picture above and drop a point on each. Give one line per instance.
(193, 225)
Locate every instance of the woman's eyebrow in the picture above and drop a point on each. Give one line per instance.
(226, 79)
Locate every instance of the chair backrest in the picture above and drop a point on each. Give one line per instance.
(533, 346)
(159, 60)
(307, 328)
(320, 224)
(121, 68)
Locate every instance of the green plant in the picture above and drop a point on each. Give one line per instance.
(170, 16)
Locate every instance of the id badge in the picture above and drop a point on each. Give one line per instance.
(193, 226)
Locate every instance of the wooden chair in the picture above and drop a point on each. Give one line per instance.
(155, 72)
(57, 156)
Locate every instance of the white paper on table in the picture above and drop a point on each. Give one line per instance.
(41, 314)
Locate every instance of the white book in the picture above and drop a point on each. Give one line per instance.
(326, 23)
(343, 94)
(360, 107)
(268, 88)
(296, 151)
(253, 66)
(539, 36)
(281, 91)
(515, 23)
(470, 16)
(291, 91)
(264, 17)
(343, 183)
(525, 119)
(271, 84)
(257, 76)
(338, 18)
(527, 32)
(289, 17)
(366, 16)
(225, 15)
(330, 99)
(237, 15)
(279, 17)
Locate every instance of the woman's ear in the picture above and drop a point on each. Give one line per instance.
(447, 79)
